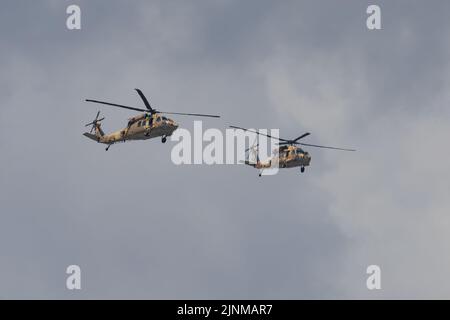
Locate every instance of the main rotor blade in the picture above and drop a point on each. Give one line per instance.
(147, 104)
(190, 114)
(152, 110)
(302, 136)
(117, 105)
(262, 134)
(325, 147)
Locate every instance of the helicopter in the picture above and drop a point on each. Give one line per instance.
(287, 155)
(148, 125)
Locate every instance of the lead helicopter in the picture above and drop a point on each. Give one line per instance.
(148, 125)
(287, 155)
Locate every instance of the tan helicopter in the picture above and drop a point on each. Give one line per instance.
(287, 155)
(150, 124)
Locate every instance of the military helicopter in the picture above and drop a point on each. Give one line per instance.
(287, 155)
(150, 124)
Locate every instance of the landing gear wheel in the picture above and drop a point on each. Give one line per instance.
(302, 169)
(260, 174)
(164, 139)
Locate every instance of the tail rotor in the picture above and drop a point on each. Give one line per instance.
(95, 122)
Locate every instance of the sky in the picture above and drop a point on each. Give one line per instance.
(141, 227)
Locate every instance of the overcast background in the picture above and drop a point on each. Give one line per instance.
(141, 227)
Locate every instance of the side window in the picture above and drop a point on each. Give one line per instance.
(139, 124)
(158, 119)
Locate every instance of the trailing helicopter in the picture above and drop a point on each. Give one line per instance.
(287, 155)
(148, 125)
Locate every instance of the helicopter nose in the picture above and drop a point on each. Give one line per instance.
(307, 158)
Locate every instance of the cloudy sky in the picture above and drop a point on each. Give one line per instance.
(141, 227)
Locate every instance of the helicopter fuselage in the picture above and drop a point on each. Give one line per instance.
(141, 127)
(292, 156)
(285, 157)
